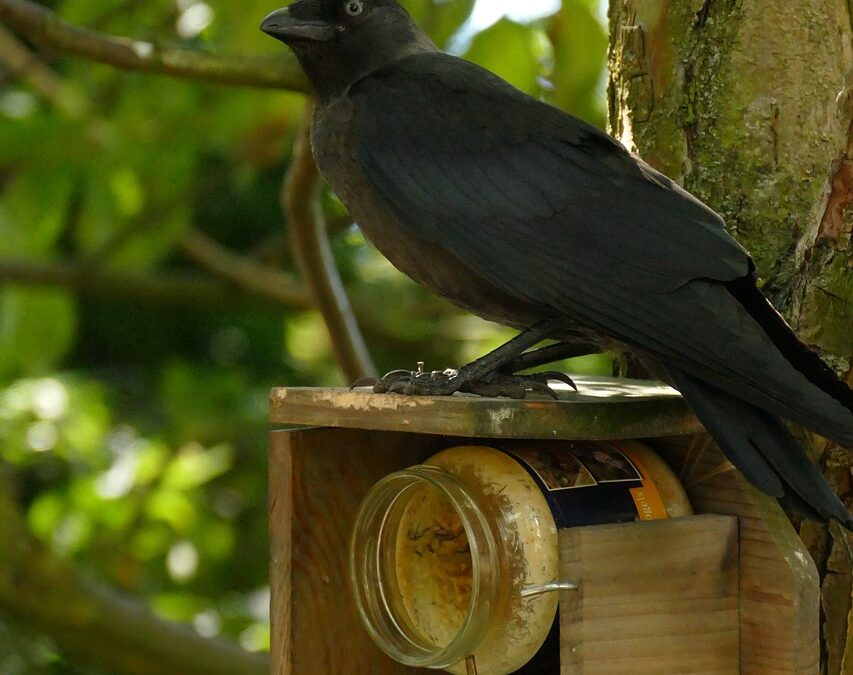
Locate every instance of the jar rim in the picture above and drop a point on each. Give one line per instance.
(368, 573)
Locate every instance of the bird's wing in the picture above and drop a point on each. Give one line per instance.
(544, 206)
(449, 141)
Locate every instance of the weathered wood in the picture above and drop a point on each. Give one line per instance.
(655, 597)
(318, 478)
(281, 534)
(779, 583)
(603, 408)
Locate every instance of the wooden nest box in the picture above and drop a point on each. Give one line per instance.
(730, 590)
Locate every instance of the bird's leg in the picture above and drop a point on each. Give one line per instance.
(482, 376)
(506, 381)
(550, 354)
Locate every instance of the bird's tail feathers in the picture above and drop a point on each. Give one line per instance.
(804, 360)
(758, 444)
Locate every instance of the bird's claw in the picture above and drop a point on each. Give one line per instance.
(554, 375)
(363, 382)
(448, 382)
(419, 383)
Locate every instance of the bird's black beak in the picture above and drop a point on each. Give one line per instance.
(282, 25)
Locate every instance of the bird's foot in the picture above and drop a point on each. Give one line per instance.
(448, 382)
(503, 385)
(419, 382)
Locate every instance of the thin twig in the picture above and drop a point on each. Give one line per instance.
(22, 62)
(301, 204)
(247, 274)
(167, 288)
(45, 28)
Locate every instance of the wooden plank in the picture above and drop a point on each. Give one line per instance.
(281, 512)
(318, 478)
(655, 597)
(779, 583)
(602, 409)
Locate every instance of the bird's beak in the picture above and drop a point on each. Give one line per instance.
(283, 26)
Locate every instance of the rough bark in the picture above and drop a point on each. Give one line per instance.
(749, 105)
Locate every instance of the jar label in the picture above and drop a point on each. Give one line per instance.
(648, 499)
(590, 483)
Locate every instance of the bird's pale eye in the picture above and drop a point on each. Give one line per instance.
(354, 7)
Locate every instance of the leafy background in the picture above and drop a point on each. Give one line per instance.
(133, 413)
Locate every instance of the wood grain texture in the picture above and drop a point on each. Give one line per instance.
(655, 597)
(318, 478)
(281, 512)
(779, 583)
(602, 409)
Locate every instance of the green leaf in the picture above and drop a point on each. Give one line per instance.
(33, 210)
(151, 541)
(178, 606)
(97, 221)
(217, 540)
(580, 54)
(45, 513)
(440, 18)
(195, 466)
(128, 193)
(173, 507)
(37, 329)
(513, 51)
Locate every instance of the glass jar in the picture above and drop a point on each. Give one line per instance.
(458, 557)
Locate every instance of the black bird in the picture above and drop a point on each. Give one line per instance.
(527, 216)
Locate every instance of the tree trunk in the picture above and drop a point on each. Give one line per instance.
(749, 105)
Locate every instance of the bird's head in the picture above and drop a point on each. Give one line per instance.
(339, 41)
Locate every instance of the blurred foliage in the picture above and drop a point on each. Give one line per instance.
(135, 433)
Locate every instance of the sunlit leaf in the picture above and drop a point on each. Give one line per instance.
(178, 606)
(196, 466)
(151, 459)
(128, 193)
(173, 507)
(580, 52)
(440, 18)
(37, 329)
(45, 513)
(513, 51)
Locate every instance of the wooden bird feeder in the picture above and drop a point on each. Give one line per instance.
(729, 590)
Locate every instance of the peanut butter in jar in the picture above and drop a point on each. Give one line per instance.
(449, 558)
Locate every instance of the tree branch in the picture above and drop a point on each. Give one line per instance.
(164, 288)
(301, 204)
(45, 28)
(96, 625)
(249, 275)
(18, 58)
